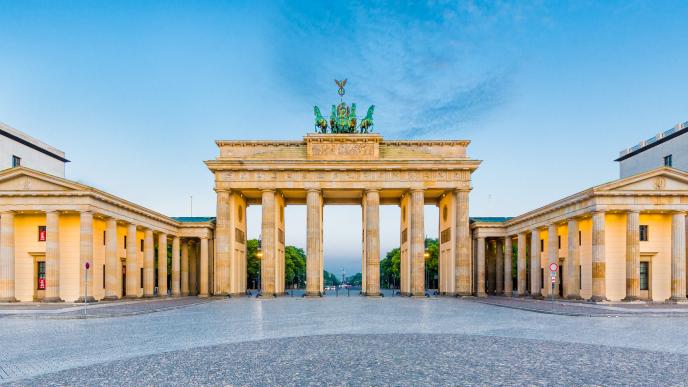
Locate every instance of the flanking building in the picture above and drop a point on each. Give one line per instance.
(668, 148)
(20, 149)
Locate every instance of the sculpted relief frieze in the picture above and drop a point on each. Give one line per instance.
(339, 150)
(341, 176)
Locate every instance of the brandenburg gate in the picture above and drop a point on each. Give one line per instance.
(343, 165)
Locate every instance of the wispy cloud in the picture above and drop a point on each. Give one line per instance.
(427, 67)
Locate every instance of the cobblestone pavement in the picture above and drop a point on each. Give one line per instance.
(581, 308)
(478, 338)
(99, 309)
(391, 359)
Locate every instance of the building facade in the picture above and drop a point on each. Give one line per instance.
(624, 240)
(19, 149)
(668, 148)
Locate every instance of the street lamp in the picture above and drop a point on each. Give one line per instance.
(259, 255)
(426, 255)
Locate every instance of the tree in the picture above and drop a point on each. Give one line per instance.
(355, 280)
(330, 279)
(252, 263)
(431, 262)
(390, 269)
(294, 266)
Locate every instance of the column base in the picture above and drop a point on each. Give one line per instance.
(176, 295)
(481, 294)
(131, 297)
(464, 294)
(185, 294)
(52, 299)
(630, 299)
(372, 294)
(202, 296)
(220, 294)
(511, 294)
(448, 294)
(677, 300)
(313, 294)
(89, 299)
(8, 299)
(267, 295)
(537, 296)
(574, 297)
(598, 299)
(239, 294)
(148, 295)
(111, 298)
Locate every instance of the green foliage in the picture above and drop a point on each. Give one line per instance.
(252, 263)
(294, 267)
(355, 280)
(330, 279)
(390, 266)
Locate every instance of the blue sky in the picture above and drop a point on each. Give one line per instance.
(548, 92)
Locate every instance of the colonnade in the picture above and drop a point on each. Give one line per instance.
(188, 254)
(601, 245)
(455, 263)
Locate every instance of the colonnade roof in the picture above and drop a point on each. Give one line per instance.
(26, 190)
(660, 190)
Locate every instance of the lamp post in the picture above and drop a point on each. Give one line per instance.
(259, 255)
(426, 255)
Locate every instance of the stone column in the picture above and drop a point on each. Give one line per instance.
(112, 265)
(573, 279)
(148, 264)
(203, 291)
(223, 235)
(632, 256)
(417, 245)
(176, 266)
(162, 264)
(133, 275)
(463, 244)
(372, 230)
(535, 264)
(499, 267)
(268, 262)
(86, 255)
(480, 290)
(521, 285)
(508, 264)
(678, 257)
(599, 265)
(52, 257)
(314, 242)
(185, 268)
(552, 257)
(193, 269)
(7, 264)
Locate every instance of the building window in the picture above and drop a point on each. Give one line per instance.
(103, 276)
(125, 241)
(16, 161)
(580, 238)
(559, 241)
(41, 275)
(644, 275)
(644, 233)
(141, 244)
(141, 279)
(542, 277)
(41, 233)
(667, 161)
(542, 245)
(103, 237)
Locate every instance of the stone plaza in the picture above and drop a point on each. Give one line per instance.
(344, 340)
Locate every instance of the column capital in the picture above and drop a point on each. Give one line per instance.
(50, 211)
(273, 190)
(633, 211)
(219, 190)
(318, 190)
(370, 190)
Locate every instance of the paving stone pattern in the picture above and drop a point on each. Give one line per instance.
(433, 340)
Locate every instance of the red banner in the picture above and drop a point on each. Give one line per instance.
(41, 284)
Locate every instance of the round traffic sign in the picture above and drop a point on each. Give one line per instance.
(553, 266)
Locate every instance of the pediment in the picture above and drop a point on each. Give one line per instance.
(658, 180)
(26, 181)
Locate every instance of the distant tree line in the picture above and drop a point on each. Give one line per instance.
(390, 266)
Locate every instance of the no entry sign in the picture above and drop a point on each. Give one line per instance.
(553, 267)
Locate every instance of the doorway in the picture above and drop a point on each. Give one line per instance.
(39, 282)
(124, 281)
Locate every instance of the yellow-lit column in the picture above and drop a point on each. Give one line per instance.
(162, 264)
(148, 264)
(480, 263)
(417, 246)
(632, 256)
(193, 268)
(314, 242)
(372, 230)
(176, 267)
(132, 284)
(268, 243)
(203, 291)
(464, 284)
(508, 264)
(52, 257)
(573, 261)
(185, 268)
(86, 255)
(7, 264)
(678, 257)
(552, 257)
(535, 265)
(112, 265)
(223, 235)
(599, 261)
(499, 266)
(521, 284)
